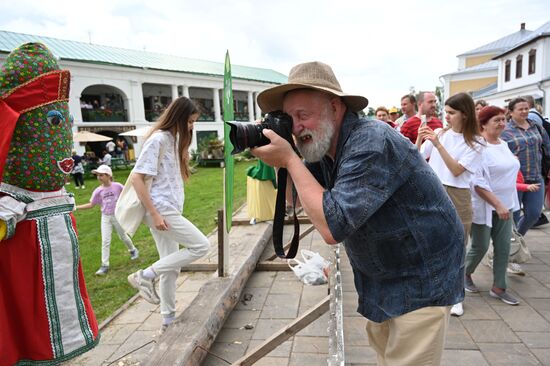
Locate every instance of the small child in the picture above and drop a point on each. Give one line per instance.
(107, 195)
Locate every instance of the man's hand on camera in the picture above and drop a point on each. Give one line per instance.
(277, 153)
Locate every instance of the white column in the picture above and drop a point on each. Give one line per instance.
(250, 106)
(136, 108)
(258, 110)
(174, 92)
(216, 99)
(185, 90)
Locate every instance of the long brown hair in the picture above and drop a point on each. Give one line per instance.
(464, 103)
(175, 119)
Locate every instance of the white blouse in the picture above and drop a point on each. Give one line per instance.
(497, 174)
(457, 147)
(167, 187)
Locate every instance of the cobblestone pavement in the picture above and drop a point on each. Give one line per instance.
(489, 333)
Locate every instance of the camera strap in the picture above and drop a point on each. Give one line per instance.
(279, 219)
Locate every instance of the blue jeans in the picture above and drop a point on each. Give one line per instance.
(531, 203)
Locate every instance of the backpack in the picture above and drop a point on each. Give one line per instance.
(129, 211)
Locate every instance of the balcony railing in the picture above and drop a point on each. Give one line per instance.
(104, 115)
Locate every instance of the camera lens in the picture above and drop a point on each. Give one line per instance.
(243, 135)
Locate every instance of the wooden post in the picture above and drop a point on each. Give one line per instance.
(221, 241)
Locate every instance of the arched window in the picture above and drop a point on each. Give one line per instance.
(519, 66)
(507, 68)
(532, 61)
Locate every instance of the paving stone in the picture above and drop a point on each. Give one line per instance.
(318, 328)
(281, 306)
(265, 328)
(137, 312)
(240, 318)
(310, 345)
(118, 333)
(272, 361)
(282, 350)
(350, 299)
(523, 318)
(283, 276)
(355, 333)
(360, 355)
(490, 331)
(229, 351)
(311, 296)
(508, 354)
(294, 286)
(463, 358)
(307, 359)
(543, 355)
(138, 345)
(542, 306)
(475, 307)
(153, 322)
(94, 357)
(256, 295)
(227, 335)
(542, 277)
(261, 279)
(458, 337)
(535, 339)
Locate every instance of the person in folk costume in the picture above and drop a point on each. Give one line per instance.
(45, 313)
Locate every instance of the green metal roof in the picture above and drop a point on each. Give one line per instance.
(91, 53)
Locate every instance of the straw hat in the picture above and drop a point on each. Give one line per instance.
(310, 75)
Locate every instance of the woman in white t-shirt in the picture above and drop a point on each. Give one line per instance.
(164, 158)
(494, 199)
(454, 154)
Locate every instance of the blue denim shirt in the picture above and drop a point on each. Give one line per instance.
(401, 232)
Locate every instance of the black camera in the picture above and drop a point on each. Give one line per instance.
(244, 134)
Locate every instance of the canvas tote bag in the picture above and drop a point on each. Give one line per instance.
(129, 211)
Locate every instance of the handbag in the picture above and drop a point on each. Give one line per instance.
(545, 160)
(129, 211)
(519, 253)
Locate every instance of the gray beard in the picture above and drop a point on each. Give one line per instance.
(315, 149)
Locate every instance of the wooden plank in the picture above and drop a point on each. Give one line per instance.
(285, 333)
(287, 245)
(272, 266)
(200, 267)
(303, 220)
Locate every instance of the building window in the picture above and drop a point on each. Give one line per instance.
(507, 67)
(519, 66)
(532, 61)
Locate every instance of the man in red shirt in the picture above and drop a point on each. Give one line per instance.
(427, 103)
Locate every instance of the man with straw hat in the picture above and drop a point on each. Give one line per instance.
(363, 184)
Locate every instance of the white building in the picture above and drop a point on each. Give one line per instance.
(524, 69)
(512, 66)
(477, 70)
(114, 90)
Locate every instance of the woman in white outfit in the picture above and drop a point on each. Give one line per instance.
(455, 153)
(494, 199)
(165, 159)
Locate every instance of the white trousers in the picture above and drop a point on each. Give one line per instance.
(108, 222)
(172, 258)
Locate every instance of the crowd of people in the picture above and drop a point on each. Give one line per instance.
(407, 195)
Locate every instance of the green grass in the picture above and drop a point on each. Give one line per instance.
(203, 197)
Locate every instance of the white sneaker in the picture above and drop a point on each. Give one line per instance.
(134, 254)
(457, 309)
(145, 286)
(515, 268)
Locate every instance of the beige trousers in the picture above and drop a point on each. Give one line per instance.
(413, 339)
